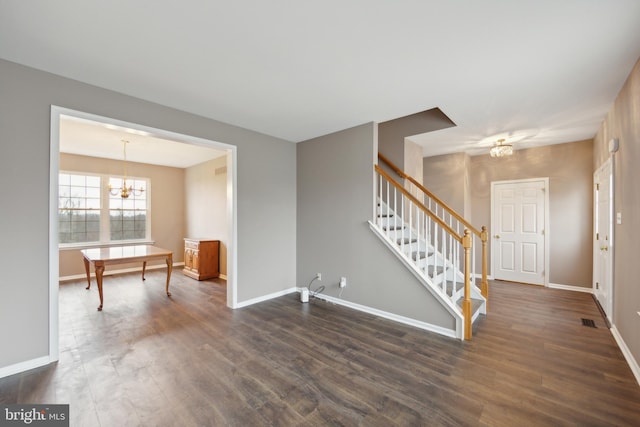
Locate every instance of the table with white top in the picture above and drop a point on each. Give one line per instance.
(101, 257)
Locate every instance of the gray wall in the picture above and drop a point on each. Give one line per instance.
(266, 196)
(623, 122)
(335, 201)
(413, 163)
(392, 134)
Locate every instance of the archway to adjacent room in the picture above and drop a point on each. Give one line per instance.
(58, 114)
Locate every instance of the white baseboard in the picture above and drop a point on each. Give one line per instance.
(384, 314)
(391, 316)
(265, 297)
(24, 366)
(571, 288)
(222, 276)
(112, 272)
(633, 364)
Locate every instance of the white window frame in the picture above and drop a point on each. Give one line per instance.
(105, 222)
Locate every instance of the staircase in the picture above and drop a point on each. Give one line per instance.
(434, 242)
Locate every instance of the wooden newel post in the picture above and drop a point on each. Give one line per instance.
(467, 242)
(484, 285)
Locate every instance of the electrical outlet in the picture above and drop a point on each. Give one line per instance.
(343, 282)
(319, 276)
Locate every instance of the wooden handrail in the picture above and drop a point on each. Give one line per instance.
(451, 211)
(419, 204)
(482, 234)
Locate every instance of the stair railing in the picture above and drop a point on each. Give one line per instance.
(450, 217)
(407, 221)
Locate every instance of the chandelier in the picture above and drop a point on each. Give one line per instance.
(125, 190)
(500, 149)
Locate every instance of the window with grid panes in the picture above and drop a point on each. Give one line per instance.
(128, 217)
(79, 202)
(88, 213)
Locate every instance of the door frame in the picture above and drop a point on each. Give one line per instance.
(608, 163)
(547, 233)
(54, 168)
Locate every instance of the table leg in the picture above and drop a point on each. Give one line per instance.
(144, 267)
(99, 270)
(88, 270)
(169, 268)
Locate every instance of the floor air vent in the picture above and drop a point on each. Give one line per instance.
(589, 322)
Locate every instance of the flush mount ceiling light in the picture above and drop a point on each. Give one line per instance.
(500, 149)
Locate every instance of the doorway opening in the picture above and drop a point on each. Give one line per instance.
(228, 155)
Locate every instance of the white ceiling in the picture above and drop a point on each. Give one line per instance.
(540, 71)
(105, 140)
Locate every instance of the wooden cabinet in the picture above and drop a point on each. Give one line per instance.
(201, 258)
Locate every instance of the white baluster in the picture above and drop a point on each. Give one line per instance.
(455, 271)
(388, 206)
(410, 208)
(418, 235)
(473, 262)
(444, 258)
(379, 209)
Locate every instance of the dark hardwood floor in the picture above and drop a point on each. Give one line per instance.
(189, 360)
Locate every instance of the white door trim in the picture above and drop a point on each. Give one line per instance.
(547, 229)
(608, 307)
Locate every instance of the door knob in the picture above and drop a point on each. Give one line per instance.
(497, 236)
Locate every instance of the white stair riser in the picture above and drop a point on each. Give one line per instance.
(388, 220)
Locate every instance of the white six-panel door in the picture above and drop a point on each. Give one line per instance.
(518, 230)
